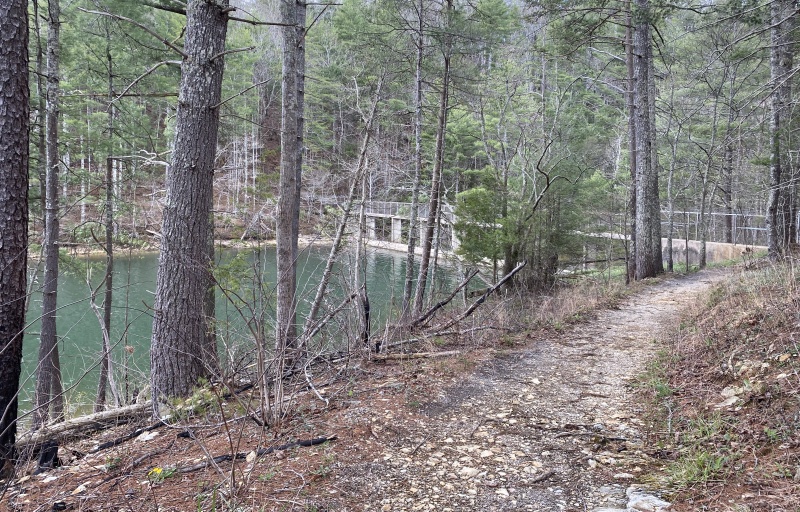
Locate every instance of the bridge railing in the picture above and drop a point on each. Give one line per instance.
(738, 228)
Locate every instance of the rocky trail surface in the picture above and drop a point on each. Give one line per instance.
(554, 426)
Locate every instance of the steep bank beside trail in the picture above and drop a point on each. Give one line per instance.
(553, 426)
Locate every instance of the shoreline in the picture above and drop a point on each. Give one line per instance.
(92, 251)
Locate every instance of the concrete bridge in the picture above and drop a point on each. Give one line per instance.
(388, 223)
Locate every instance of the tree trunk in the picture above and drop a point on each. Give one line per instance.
(727, 162)
(788, 186)
(288, 218)
(14, 122)
(413, 226)
(288, 201)
(778, 76)
(727, 188)
(179, 323)
(645, 254)
(105, 362)
(705, 201)
(300, 81)
(436, 176)
(630, 253)
(41, 144)
(652, 182)
(48, 378)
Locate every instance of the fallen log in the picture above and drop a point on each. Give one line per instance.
(430, 335)
(443, 303)
(483, 298)
(84, 424)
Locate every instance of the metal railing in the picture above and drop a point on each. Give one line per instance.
(737, 228)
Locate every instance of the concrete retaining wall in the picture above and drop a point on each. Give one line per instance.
(715, 252)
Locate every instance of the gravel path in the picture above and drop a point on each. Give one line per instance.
(553, 426)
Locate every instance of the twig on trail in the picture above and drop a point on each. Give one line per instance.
(479, 425)
(454, 332)
(543, 477)
(416, 448)
(388, 385)
(415, 355)
(599, 436)
(372, 431)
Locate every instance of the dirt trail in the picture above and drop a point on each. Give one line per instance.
(553, 426)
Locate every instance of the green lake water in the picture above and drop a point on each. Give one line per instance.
(134, 283)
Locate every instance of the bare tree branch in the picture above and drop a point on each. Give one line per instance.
(483, 298)
(182, 11)
(141, 26)
(243, 91)
(237, 50)
(142, 76)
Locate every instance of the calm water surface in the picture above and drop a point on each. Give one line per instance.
(134, 283)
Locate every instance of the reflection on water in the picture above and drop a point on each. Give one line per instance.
(134, 284)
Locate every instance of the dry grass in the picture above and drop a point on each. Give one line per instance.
(729, 395)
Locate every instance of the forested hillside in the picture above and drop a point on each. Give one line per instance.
(503, 146)
(536, 96)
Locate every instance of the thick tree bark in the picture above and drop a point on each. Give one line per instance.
(652, 182)
(779, 77)
(288, 201)
(646, 258)
(48, 378)
(288, 221)
(14, 124)
(179, 323)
